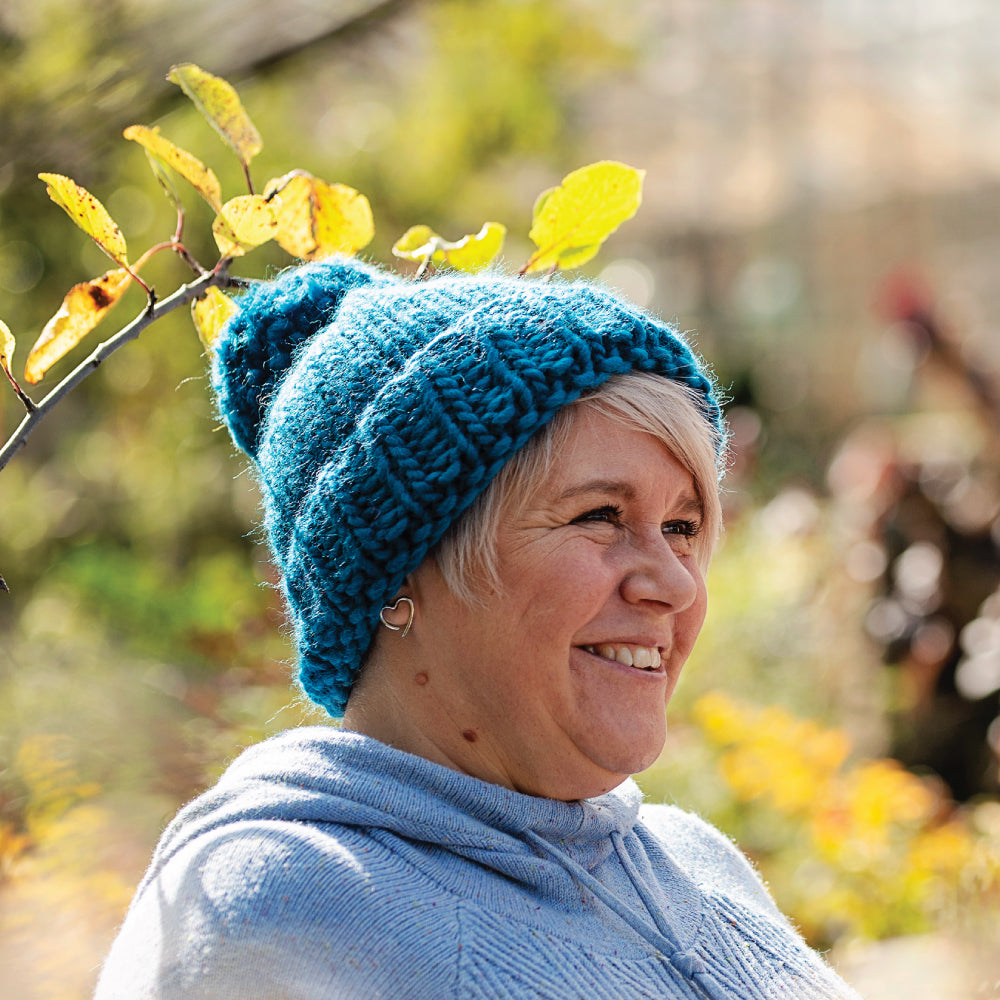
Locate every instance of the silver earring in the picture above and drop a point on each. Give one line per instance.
(392, 607)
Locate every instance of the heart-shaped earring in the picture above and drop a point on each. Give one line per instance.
(396, 628)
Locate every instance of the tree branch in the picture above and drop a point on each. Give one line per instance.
(148, 316)
(346, 31)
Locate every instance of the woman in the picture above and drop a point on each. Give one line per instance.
(492, 502)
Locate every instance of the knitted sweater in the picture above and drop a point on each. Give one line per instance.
(325, 864)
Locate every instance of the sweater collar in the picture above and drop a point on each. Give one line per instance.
(346, 765)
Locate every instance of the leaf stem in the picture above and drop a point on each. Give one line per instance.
(135, 277)
(179, 228)
(154, 310)
(178, 245)
(246, 174)
(178, 248)
(26, 400)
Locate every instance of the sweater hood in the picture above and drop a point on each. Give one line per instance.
(325, 775)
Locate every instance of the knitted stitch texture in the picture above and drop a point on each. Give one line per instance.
(328, 866)
(377, 409)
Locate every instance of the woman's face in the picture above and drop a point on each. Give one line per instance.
(559, 685)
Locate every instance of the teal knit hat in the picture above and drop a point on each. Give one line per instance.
(377, 408)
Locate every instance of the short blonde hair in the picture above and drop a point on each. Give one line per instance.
(670, 411)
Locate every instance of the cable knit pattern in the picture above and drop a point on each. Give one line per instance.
(377, 409)
(327, 866)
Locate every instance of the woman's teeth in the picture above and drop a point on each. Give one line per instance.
(640, 657)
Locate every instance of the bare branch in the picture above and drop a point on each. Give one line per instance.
(182, 296)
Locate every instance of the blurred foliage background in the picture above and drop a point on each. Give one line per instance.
(822, 206)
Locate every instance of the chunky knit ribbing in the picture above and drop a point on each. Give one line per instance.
(401, 401)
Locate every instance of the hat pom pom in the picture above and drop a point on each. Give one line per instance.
(259, 343)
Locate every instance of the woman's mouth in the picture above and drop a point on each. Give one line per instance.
(640, 657)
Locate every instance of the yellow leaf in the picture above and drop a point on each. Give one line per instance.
(243, 223)
(573, 220)
(210, 314)
(470, 253)
(220, 104)
(89, 214)
(540, 201)
(474, 252)
(573, 257)
(200, 177)
(316, 219)
(6, 348)
(164, 178)
(417, 243)
(84, 306)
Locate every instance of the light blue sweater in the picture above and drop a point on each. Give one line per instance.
(327, 865)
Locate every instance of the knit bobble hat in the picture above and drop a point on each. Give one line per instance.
(377, 408)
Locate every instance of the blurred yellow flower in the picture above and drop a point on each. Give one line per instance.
(862, 847)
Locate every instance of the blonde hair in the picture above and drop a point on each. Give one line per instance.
(669, 410)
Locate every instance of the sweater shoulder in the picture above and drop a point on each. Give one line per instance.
(708, 857)
(269, 908)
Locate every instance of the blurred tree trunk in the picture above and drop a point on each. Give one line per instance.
(61, 97)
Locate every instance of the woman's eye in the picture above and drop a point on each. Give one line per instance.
(608, 514)
(686, 529)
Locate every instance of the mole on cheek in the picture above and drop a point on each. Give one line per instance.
(421, 679)
(470, 735)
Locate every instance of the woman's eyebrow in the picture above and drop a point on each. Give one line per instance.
(689, 504)
(613, 487)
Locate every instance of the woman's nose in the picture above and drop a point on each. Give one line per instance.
(659, 573)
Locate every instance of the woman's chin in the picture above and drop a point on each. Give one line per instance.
(623, 734)
(613, 754)
(634, 759)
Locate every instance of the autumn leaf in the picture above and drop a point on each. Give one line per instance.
(219, 103)
(573, 220)
(316, 219)
(210, 314)
(84, 306)
(243, 223)
(200, 177)
(89, 214)
(7, 346)
(471, 253)
(417, 243)
(166, 181)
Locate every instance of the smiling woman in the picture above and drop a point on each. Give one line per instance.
(492, 502)
(564, 665)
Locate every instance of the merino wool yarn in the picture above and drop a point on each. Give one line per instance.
(377, 408)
